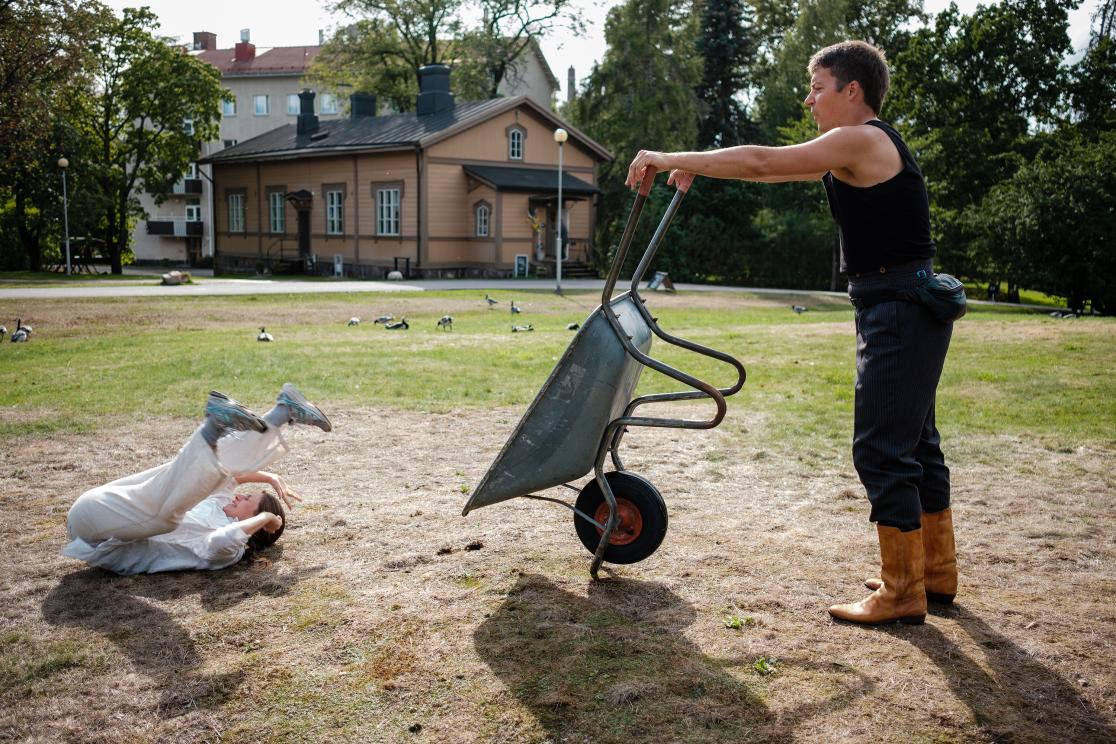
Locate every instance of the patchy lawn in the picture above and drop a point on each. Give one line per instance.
(383, 615)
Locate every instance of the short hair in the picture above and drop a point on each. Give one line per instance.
(859, 61)
(261, 538)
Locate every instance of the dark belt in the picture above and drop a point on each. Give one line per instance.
(911, 267)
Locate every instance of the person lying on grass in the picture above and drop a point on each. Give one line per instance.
(185, 513)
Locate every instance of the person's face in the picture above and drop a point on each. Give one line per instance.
(825, 102)
(244, 505)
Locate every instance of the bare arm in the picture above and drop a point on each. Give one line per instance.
(262, 521)
(840, 149)
(285, 492)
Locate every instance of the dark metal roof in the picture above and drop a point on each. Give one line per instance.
(364, 133)
(543, 180)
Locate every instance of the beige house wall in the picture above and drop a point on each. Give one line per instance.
(488, 142)
(448, 197)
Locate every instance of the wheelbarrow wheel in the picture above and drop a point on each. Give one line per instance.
(642, 514)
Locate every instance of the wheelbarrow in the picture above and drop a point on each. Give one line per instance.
(586, 406)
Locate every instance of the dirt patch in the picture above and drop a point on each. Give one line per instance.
(373, 620)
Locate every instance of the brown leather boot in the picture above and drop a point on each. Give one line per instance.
(902, 592)
(941, 557)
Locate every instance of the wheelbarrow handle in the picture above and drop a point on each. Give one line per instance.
(629, 231)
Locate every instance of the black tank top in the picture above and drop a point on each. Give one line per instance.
(883, 225)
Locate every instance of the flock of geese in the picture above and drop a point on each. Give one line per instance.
(445, 323)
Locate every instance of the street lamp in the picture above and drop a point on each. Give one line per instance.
(64, 164)
(560, 136)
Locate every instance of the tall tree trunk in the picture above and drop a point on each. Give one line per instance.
(27, 237)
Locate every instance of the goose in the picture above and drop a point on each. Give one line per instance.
(446, 323)
(490, 301)
(20, 325)
(402, 324)
(354, 321)
(515, 310)
(573, 326)
(264, 335)
(3, 331)
(798, 309)
(384, 319)
(1055, 313)
(21, 333)
(522, 328)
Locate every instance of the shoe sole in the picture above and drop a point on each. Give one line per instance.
(296, 397)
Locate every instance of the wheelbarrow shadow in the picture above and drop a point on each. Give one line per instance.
(158, 646)
(617, 666)
(1012, 696)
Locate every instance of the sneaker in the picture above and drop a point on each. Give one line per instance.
(301, 410)
(230, 415)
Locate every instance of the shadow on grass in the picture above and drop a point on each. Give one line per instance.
(617, 666)
(1012, 696)
(155, 643)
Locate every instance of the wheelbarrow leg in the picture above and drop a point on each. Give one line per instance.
(610, 525)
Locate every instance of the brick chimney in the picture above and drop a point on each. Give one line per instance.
(362, 105)
(245, 51)
(434, 90)
(205, 40)
(307, 123)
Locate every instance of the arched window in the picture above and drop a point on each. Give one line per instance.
(515, 144)
(482, 213)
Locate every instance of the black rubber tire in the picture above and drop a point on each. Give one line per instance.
(643, 496)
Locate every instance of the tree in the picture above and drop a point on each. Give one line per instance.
(1052, 226)
(728, 54)
(391, 39)
(41, 56)
(969, 93)
(641, 94)
(148, 107)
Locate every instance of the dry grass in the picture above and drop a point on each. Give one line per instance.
(372, 621)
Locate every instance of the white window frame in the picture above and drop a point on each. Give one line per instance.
(335, 212)
(229, 143)
(277, 212)
(188, 126)
(388, 209)
(236, 213)
(515, 144)
(482, 214)
(293, 104)
(228, 108)
(256, 100)
(329, 103)
(193, 212)
(191, 170)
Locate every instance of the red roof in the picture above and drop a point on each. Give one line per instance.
(275, 60)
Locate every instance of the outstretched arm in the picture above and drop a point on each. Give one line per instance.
(842, 148)
(282, 490)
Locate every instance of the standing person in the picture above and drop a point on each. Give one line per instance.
(184, 514)
(878, 198)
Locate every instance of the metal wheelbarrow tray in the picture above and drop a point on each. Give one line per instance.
(583, 409)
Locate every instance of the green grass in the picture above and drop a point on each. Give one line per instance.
(1007, 372)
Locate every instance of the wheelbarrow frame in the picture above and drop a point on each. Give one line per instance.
(614, 431)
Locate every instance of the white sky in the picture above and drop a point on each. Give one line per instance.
(296, 22)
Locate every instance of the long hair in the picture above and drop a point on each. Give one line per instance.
(261, 538)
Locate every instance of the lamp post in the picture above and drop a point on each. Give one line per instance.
(64, 164)
(560, 136)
